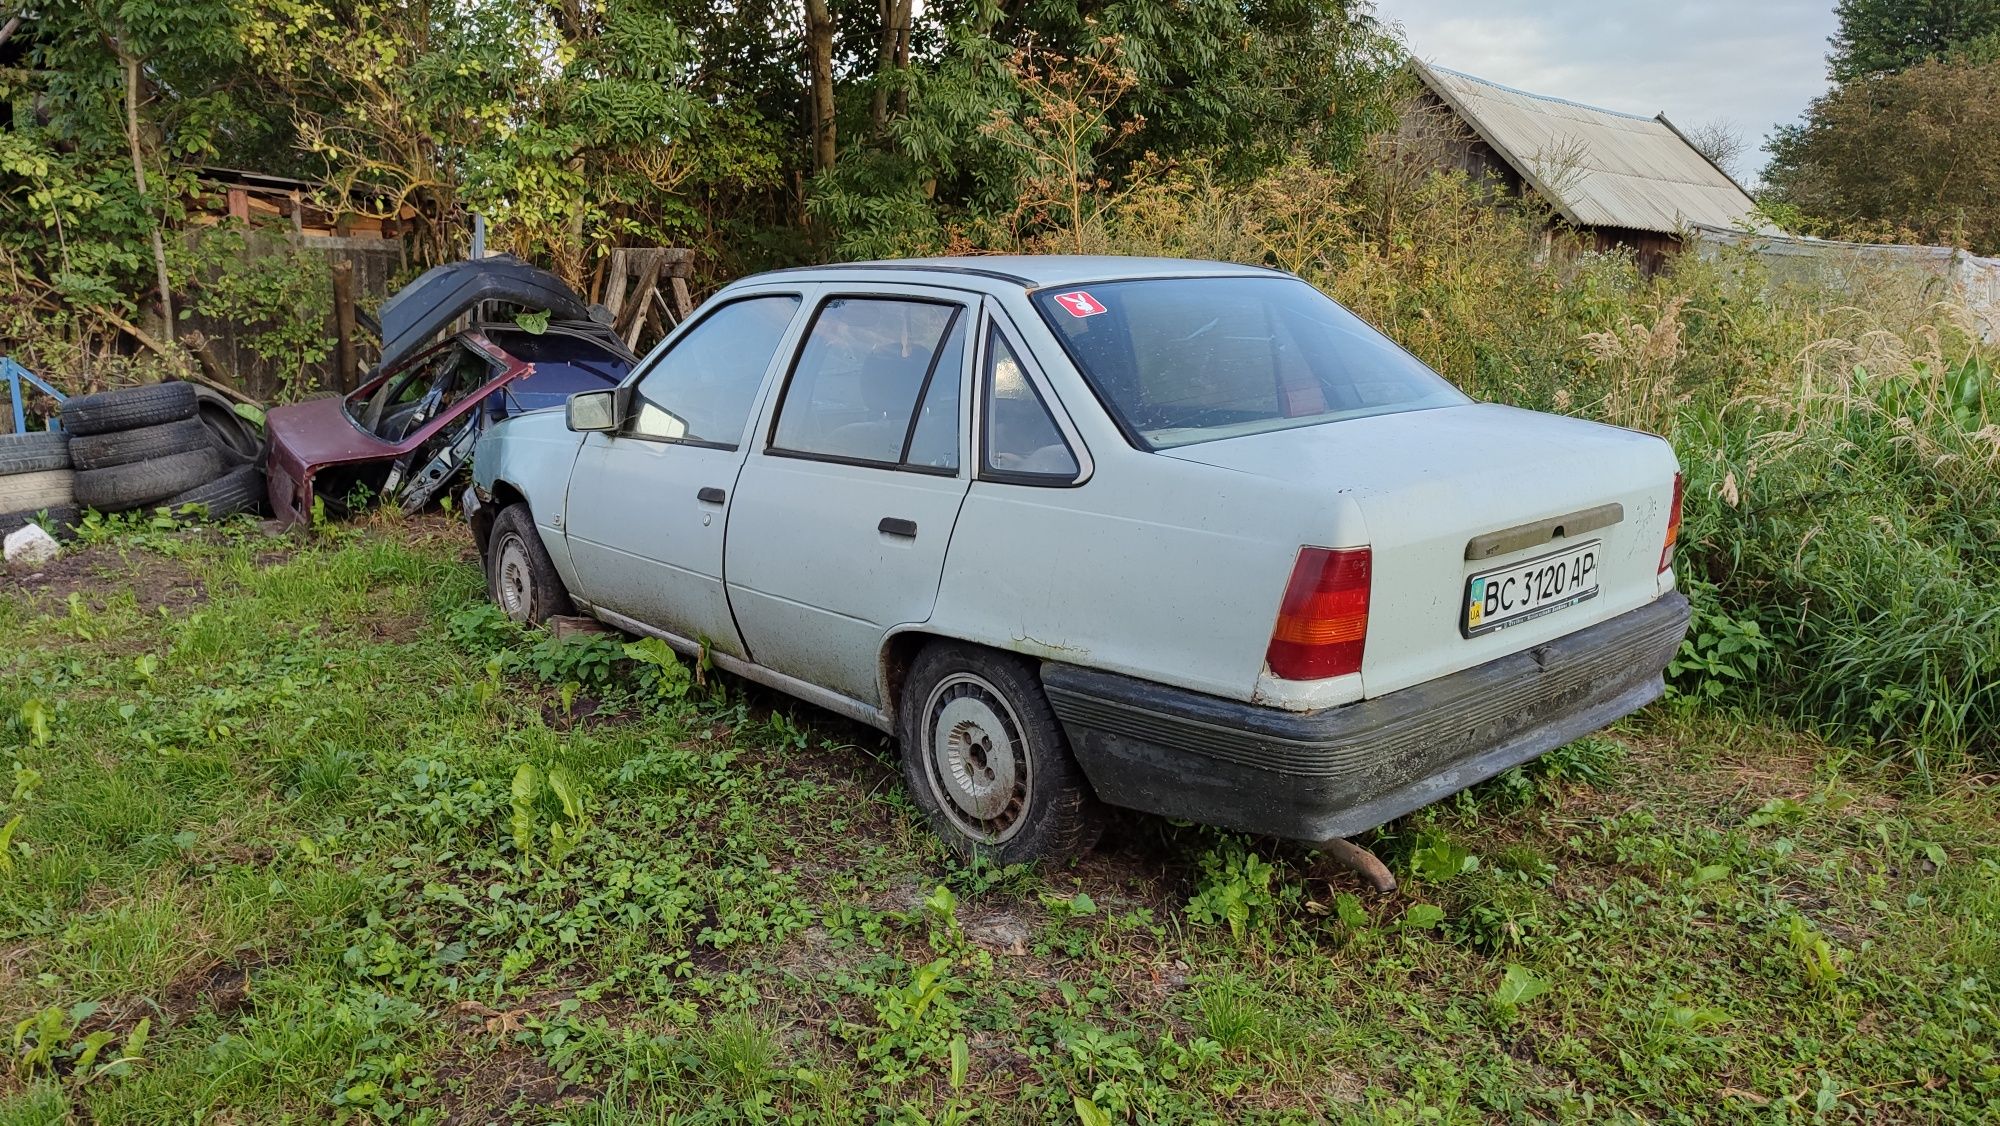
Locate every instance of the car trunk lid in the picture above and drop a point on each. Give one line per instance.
(1455, 493)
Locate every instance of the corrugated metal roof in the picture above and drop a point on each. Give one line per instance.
(1598, 167)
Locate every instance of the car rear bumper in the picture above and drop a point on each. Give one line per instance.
(1312, 776)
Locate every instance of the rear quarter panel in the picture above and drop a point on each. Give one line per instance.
(1155, 568)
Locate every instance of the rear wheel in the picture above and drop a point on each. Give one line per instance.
(520, 577)
(985, 759)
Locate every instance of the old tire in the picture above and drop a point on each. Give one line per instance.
(239, 490)
(123, 447)
(985, 759)
(33, 452)
(128, 408)
(30, 492)
(237, 439)
(520, 577)
(141, 483)
(58, 520)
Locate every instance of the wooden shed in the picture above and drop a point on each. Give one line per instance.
(1619, 178)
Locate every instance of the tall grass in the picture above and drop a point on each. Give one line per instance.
(1842, 445)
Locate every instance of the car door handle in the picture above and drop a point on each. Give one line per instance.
(711, 495)
(897, 526)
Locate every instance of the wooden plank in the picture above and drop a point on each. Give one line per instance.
(614, 294)
(344, 365)
(641, 296)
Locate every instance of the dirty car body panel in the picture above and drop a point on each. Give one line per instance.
(1132, 467)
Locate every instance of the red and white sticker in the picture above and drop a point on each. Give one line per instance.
(1079, 304)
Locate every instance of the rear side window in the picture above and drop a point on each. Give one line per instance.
(1022, 443)
(876, 382)
(703, 389)
(1181, 360)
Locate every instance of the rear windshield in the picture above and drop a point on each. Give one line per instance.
(1183, 360)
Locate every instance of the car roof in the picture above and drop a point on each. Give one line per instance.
(1038, 271)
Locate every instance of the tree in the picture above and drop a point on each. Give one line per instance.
(1884, 36)
(1911, 151)
(1721, 142)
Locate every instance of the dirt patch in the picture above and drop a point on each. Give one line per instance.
(400, 629)
(499, 1083)
(95, 573)
(488, 1075)
(223, 987)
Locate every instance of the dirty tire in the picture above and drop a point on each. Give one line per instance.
(237, 439)
(33, 452)
(123, 447)
(128, 408)
(58, 520)
(239, 490)
(520, 577)
(29, 492)
(985, 759)
(141, 483)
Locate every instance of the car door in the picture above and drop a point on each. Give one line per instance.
(845, 506)
(648, 503)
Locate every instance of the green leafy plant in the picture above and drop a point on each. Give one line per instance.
(537, 796)
(1236, 890)
(1437, 859)
(1721, 654)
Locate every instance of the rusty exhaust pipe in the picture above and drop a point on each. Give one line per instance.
(1359, 861)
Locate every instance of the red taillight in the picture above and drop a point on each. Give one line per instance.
(1673, 527)
(1323, 621)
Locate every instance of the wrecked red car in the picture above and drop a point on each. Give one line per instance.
(407, 432)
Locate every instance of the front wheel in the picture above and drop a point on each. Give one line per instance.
(985, 759)
(520, 576)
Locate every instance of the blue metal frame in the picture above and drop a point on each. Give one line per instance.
(14, 373)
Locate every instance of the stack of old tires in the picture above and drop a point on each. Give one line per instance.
(36, 481)
(165, 445)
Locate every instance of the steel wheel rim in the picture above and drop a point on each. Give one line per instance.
(975, 758)
(514, 583)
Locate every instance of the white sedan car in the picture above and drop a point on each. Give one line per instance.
(1183, 537)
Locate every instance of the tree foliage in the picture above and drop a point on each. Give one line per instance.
(581, 125)
(1884, 36)
(1910, 153)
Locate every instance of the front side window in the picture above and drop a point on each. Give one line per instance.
(1022, 441)
(1181, 360)
(877, 382)
(704, 388)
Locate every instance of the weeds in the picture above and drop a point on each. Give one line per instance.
(467, 872)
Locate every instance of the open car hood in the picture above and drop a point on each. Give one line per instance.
(420, 310)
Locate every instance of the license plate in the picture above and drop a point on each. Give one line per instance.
(1522, 591)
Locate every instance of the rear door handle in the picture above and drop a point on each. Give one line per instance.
(897, 526)
(711, 495)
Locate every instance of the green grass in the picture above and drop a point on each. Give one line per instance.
(351, 848)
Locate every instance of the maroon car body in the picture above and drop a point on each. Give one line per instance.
(313, 437)
(409, 428)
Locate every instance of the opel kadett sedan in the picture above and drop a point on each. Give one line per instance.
(1183, 537)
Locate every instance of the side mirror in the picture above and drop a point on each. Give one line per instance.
(593, 411)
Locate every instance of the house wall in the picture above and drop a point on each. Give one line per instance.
(1652, 249)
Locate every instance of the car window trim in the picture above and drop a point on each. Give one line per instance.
(771, 447)
(665, 348)
(1071, 441)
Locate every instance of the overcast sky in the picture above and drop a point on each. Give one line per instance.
(1754, 63)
